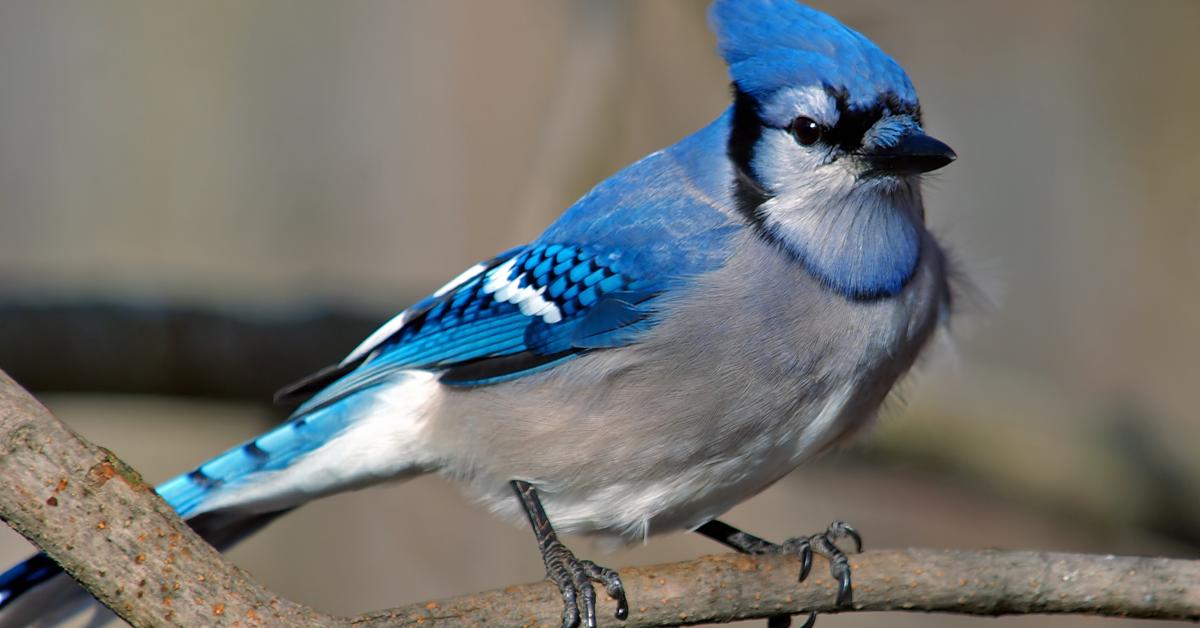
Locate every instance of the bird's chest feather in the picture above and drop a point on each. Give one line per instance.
(753, 369)
(788, 370)
(770, 336)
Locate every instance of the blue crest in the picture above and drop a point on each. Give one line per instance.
(773, 44)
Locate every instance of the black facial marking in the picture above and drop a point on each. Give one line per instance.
(744, 133)
(853, 124)
(847, 137)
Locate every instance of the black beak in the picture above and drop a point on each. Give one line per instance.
(916, 153)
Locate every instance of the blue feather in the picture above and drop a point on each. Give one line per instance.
(274, 450)
(615, 322)
(642, 232)
(26, 575)
(773, 44)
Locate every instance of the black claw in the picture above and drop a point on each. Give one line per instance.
(622, 605)
(573, 576)
(779, 621)
(845, 590)
(589, 604)
(612, 585)
(618, 593)
(800, 547)
(845, 529)
(805, 562)
(570, 609)
(839, 566)
(823, 543)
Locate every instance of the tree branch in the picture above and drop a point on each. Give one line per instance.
(732, 587)
(96, 517)
(109, 530)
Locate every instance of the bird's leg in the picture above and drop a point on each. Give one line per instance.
(803, 547)
(573, 576)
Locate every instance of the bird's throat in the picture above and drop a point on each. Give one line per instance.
(864, 247)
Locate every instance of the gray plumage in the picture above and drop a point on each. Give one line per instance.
(713, 406)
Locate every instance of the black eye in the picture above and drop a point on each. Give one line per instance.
(806, 131)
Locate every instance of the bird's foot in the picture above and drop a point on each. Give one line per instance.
(574, 578)
(825, 544)
(803, 547)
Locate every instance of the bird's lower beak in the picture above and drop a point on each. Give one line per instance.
(914, 154)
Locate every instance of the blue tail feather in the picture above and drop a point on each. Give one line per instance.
(187, 492)
(271, 451)
(25, 576)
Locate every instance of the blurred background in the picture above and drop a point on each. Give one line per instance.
(202, 201)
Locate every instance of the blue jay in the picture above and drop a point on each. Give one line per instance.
(685, 335)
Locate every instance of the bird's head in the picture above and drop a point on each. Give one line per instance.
(826, 128)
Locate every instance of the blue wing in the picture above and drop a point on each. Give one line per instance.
(525, 310)
(589, 282)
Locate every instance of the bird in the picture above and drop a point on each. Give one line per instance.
(687, 333)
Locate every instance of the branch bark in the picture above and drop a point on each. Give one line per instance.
(110, 531)
(96, 517)
(731, 587)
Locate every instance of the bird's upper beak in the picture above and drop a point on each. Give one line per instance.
(914, 154)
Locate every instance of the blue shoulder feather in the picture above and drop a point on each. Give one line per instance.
(520, 313)
(590, 281)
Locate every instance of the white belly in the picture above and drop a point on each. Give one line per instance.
(711, 407)
(632, 510)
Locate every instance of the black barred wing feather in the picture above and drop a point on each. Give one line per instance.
(521, 312)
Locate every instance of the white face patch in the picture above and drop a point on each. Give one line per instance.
(788, 104)
(857, 235)
(791, 170)
(527, 298)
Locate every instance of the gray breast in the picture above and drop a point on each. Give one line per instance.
(752, 369)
